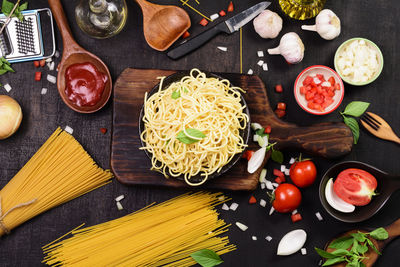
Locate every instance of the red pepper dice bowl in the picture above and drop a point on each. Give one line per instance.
(327, 73)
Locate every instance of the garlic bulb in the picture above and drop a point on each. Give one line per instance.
(268, 24)
(290, 47)
(327, 24)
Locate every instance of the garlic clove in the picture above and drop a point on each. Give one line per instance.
(327, 24)
(290, 47)
(268, 24)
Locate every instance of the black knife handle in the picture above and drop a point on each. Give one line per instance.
(197, 41)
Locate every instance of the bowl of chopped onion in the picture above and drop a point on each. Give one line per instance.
(358, 61)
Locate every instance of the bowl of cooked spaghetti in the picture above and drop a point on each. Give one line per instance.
(194, 126)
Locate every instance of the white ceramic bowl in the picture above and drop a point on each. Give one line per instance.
(327, 72)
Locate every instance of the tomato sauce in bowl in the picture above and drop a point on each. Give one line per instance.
(84, 84)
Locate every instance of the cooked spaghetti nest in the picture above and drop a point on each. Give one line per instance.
(208, 106)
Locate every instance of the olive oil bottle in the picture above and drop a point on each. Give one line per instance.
(302, 9)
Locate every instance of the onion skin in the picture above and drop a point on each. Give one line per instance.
(10, 116)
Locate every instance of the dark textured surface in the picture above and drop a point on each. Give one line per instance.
(375, 20)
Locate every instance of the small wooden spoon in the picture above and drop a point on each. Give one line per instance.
(163, 25)
(372, 256)
(72, 54)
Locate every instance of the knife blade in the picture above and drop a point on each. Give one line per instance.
(228, 26)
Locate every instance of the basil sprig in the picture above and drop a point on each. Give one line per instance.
(352, 248)
(5, 66)
(354, 109)
(206, 258)
(8, 6)
(192, 132)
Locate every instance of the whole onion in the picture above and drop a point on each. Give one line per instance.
(10, 116)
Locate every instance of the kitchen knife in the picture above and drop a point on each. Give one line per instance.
(229, 26)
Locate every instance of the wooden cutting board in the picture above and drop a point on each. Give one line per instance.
(132, 166)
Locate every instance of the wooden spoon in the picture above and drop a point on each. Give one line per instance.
(387, 185)
(372, 256)
(72, 54)
(163, 25)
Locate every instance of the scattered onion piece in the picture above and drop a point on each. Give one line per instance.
(7, 87)
(254, 238)
(319, 216)
(268, 238)
(263, 203)
(241, 226)
(119, 206)
(303, 251)
(260, 63)
(225, 207)
(234, 206)
(119, 198)
(69, 129)
(260, 53)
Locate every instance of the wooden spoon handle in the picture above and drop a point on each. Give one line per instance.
(69, 43)
(394, 229)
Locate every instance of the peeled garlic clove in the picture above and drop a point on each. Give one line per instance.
(268, 24)
(290, 47)
(327, 24)
(292, 242)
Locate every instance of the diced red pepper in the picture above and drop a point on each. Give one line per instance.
(203, 22)
(280, 113)
(267, 129)
(278, 173)
(278, 88)
(296, 217)
(252, 200)
(42, 63)
(230, 7)
(38, 76)
(281, 106)
(248, 154)
(280, 180)
(36, 63)
(222, 13)
(103, 130)
(186, 35)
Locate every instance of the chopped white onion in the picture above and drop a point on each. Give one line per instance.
(260, 53)
(241, 226)
(255, 138)
(119, 206)
(265, 67)
(319, 217)
(263, 174)
(225, 207)
(51, 65)
(7, 87)
(292, 160)
(269, 185)
(234, 206)
(222, 48)
(250, 72)
(268, 238)
(119, 198)
(317, 81)
(49, 59)
(275, 184)
(320, 263)
(271, 210)
(214, 16)
(69, 129)
(263, 203)
(51, 78)
(326, 84)
(260, 63)
(294, 212)
(57, 54)
(254, 237)
(44, 91)
(283, 168)
(255, 126)
(287, 172)
(262, 185)
(303, 251)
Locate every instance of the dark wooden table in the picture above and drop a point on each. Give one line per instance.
(375, 20)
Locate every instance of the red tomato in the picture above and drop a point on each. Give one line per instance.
(332, 80)
(307, 80)
(248, 154)
(355, 186)
(268, 129)
(303, 173)
(281, 106)
(42, 63)
(278, 88)
(186, 35)
(36, 63)
(280, 113)
(287, 198)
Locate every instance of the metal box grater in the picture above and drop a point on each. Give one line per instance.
(30, 39)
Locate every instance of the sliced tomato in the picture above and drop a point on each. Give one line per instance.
(307, 80)
(355, 186)
(252, 200)
(332, 80)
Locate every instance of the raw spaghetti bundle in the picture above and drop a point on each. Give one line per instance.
(160, 235)
(59, 171)
(193, 127)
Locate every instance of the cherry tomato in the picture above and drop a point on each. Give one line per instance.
(303, 173)
(355, 186)
(287, 198)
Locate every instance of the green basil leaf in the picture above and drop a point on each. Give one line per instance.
(176, 95)
(260, 132)
(277, 156)
(341, 252)
(355, 263)
(23, 6)
(6, 7)
(195, 133)
(8, 68)
(206, 258)
(371, 244)
(192, 132)
(379, 234)
(362, 264)
(325, 254)
(353, 125)
(362, 249)
(355, 246)
(3, 71)
(360, 237)
(356, 108)
(333, 261)
(342, 242)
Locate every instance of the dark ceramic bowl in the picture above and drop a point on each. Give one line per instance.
(245, 133)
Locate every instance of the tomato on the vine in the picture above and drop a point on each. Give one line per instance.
(303, 173)
(286, 198)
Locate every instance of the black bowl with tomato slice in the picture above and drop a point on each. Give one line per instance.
(386, 186)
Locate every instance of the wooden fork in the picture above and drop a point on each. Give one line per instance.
(378, 127)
